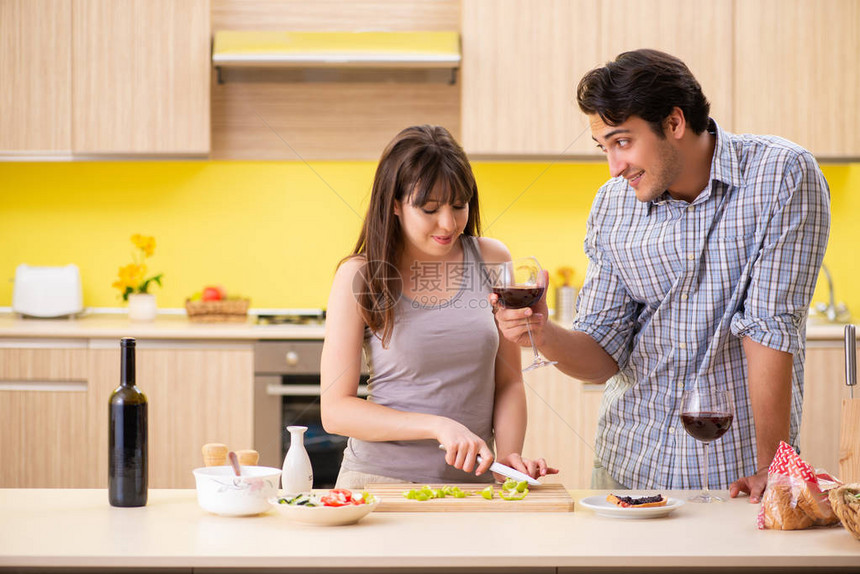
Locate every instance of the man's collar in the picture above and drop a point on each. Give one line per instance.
(724, 164)
(724, 168)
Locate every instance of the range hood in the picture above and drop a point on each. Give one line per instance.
(262, 49)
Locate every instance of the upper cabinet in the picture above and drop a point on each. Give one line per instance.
(104, 77)
(789, 68)
(94, 78)
(141, 76)
(798, 73)
(35, 76)
(699, 33)
(522, 60)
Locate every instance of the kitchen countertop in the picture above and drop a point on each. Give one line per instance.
(164, 327)
(77, 528)
(179, 327)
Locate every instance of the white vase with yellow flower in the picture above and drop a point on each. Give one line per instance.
(133, 283)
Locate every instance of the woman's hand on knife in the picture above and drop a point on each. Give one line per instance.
(462, 447)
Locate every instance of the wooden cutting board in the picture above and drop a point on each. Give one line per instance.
(544, 498)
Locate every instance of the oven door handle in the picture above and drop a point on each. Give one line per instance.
(303, 390)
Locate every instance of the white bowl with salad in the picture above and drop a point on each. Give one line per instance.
(336, 507)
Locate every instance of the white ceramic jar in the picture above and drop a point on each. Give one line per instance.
(298, 474)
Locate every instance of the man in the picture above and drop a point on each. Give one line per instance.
(704, 249)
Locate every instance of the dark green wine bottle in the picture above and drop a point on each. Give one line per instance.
(127, 436)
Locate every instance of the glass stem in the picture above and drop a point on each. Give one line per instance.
(532, 340)
(705, 472)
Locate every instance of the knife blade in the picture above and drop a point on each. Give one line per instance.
(505, 470)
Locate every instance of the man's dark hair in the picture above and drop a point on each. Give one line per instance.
(644, 83)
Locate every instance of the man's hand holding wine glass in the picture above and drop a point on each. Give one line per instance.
(512, 322)
(521, 284)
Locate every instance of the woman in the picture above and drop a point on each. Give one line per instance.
(413, 297)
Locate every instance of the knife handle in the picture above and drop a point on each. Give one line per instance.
(850, 356)
(479, 459)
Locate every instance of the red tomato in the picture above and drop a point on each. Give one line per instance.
(211, 294)
(338, 497)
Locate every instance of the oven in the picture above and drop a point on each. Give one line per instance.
(287, 392)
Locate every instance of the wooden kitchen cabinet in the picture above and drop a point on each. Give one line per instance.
(104, 77)
(562, 420)
(45, 399)
(522, 60)
(141, 76)
(796, 73)
(197, 393)
(35, 76)
(54, 407)
(824, 389)
(699, 33)
(766, 66)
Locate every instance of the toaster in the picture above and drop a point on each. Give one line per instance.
(47, 291)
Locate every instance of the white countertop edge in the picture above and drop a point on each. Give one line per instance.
(98, 326)
(817, 563)
(578, 539)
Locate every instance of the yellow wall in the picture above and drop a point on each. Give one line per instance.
(275, 231)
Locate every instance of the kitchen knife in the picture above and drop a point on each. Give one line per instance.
(851, 358)
(505, 470)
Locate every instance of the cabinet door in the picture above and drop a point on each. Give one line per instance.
(44, 395)
(142, 74)
(197, 393)
(699, 33)
(796, 73)
(522, 60)
(823, 390)
(35, 76)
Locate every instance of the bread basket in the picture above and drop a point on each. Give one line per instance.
(846, 504)
(228, 311)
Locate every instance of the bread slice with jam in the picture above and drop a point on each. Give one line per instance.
(637, 501)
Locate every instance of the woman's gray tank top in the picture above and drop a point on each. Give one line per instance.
(440, 360)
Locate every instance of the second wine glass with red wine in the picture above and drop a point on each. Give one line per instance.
(706, 414)
(519, 284)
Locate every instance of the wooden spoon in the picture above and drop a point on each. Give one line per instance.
(234, 462)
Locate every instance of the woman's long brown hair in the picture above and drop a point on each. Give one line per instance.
(418, 161)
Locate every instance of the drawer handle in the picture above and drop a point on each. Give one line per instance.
(44, 386)
(302, 390)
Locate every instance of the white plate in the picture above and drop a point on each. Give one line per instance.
(325, 515)
(603, 507)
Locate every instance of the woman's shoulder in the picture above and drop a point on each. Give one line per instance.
(347, 271)
(351, 264)
(493, 250)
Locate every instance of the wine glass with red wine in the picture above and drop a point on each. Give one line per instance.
(519, 284)
(706, 414)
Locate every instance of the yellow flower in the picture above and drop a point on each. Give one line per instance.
(132, 277)
(129, 276)
(144, 243)
(565, 274)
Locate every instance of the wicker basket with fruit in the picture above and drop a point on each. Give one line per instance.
(213, 305)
